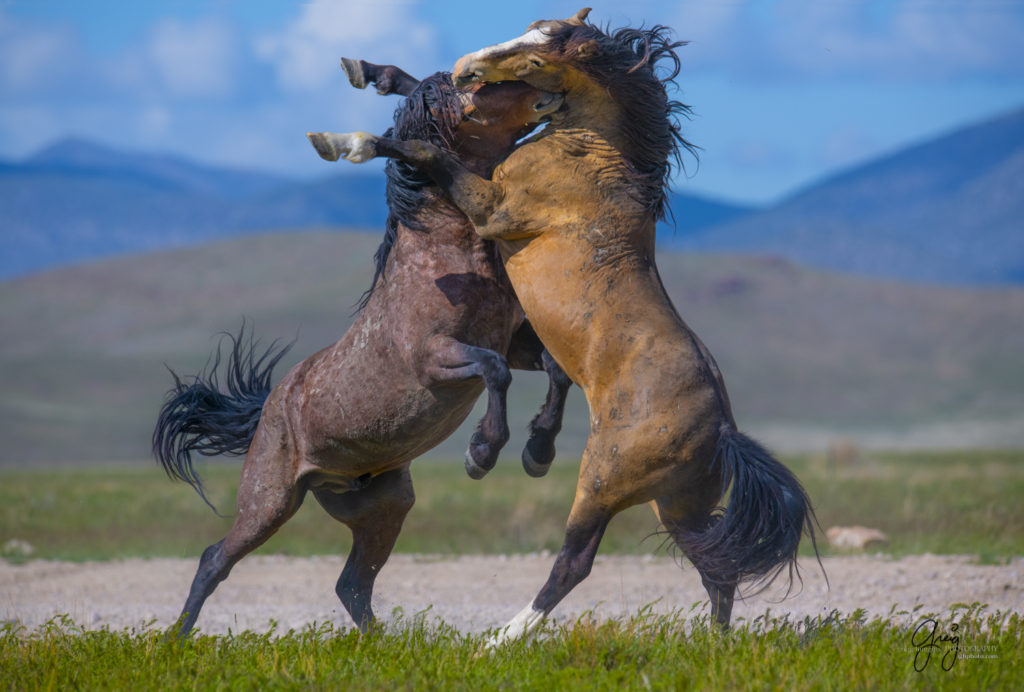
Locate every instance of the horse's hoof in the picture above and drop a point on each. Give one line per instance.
(532, 460)
(534, 469)
(324, 146)
(482, 454)
(354, 71)
(473, 469)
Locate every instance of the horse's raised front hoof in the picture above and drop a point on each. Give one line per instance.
(324, 145)
(537, 456)
(473, 469)
(354, 72)
(481, 456)
(356, 147)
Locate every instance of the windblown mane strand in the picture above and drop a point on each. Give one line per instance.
(627, 63)
(432, 113)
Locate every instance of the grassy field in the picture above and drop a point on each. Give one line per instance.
(948, 502)
(646, 653)
(937, 502)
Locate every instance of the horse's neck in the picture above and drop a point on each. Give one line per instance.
(580, 141)
(591, 118)
(448, 235)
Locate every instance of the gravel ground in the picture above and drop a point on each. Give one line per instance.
(474, 593)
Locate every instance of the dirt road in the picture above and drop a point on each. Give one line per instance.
(474, 593)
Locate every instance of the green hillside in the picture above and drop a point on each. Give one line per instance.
(806, 355)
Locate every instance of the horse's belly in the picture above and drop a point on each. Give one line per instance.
(394, 430)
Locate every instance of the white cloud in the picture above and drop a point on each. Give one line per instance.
(915, 40)
(33, 57)
(154, 122)
(305, 53)
(197, 59)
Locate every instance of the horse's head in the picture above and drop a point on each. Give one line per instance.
(609, 82)
(535, 57)
(480, 126)
(496, 116)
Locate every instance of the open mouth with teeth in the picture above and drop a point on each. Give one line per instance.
(486, 100)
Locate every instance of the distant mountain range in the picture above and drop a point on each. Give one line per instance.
(77, 200)
(807, 355)
(949, 210)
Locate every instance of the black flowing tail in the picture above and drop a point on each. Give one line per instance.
(756, 536)
(198, 416)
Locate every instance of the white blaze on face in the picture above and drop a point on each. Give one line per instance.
(533, 37)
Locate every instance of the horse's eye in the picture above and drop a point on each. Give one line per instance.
(536, 62)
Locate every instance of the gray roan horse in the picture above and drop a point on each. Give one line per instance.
(439, 324)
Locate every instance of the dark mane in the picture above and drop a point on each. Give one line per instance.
(432, 113)
(631, 64)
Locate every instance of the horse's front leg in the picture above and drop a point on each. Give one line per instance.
(527, 352)
(476, 197)
(449, 360)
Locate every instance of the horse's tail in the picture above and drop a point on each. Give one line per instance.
(756, 536)
(199, 416)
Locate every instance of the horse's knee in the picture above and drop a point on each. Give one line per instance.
(501, 376)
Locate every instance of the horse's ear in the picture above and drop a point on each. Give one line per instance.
(586, 50)
(579, 17)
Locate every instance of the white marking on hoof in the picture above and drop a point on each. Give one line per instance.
(360, 147)
(527, 619)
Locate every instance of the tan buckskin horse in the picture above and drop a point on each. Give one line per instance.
(346, 422)
(574, 210)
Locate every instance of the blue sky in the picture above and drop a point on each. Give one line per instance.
(784, 91)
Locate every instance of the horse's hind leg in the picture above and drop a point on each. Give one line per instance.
(375, 515)
(721, 593)
(267, 497)
(676, 513)
(596, 502)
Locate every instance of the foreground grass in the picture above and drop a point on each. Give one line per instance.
(646, 652)
(948, 502)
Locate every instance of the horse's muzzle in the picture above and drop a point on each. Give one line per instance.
(466, 78)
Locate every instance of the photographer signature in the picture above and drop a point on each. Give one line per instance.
(926, 638)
